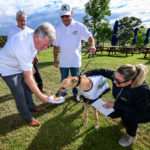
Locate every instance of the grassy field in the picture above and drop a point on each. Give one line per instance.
(62, 125)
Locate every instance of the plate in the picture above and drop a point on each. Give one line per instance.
(52, 100)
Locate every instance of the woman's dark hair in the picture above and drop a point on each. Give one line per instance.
(135, 73)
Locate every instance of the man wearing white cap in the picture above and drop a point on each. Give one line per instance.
(68, 38)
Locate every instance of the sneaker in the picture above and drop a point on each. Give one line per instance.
(127, 140)
(76, 98)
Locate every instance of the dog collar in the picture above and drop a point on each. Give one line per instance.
(79, 80)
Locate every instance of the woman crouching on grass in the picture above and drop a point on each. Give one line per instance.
(132, 97)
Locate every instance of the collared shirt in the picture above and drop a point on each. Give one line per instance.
(68, 38)
(17, 54)
(15, 29)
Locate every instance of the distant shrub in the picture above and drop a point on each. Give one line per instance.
(3, 40)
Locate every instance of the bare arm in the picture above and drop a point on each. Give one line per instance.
(92, 45)
(28, 78)
(55, 56)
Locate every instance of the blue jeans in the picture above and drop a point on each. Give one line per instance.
(65, 73)
(22, 95)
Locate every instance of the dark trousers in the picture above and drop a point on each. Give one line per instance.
(22, 95)
(37, 76)
(131, 121)
(65, 73)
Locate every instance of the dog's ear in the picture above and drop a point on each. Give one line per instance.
(73, 80)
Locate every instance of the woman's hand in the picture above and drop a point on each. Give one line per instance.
(108, 104)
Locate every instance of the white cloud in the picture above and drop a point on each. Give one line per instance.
(39, 11)
(136, 8)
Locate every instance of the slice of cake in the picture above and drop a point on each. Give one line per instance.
(56, 98)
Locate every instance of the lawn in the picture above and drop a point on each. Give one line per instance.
(62, 125)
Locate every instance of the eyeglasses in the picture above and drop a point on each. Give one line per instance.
(65, 16)
(118, 82)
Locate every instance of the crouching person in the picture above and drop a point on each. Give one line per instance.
(132, 97)
(16, 59)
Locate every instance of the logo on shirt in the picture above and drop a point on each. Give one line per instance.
(123, 98)
(102, 84)
(75, 32)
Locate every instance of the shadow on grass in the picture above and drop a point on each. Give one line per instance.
(5, 98)
(15, 121)
(148, 60)
(106, 138)
(105, 55)
(59, 131)
(63, 130)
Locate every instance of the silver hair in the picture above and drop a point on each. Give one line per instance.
(46, 29)
(20, 13)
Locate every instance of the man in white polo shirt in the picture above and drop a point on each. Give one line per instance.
(21, 19)
(16, 67)
(68, 38)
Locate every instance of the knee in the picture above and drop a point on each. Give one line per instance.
(128, 118)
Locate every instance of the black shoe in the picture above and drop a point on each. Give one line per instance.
(76, 98)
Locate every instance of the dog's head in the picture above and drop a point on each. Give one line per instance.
(66, 84)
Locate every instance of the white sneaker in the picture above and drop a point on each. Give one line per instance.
(127, 140)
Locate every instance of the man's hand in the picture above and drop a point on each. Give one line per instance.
(109, 105)
(44, 99)
(92, 50)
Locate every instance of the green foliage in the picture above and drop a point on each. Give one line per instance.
(126, 28)
(104, 32)
(3, 40)
(141, 36)
(96, 10)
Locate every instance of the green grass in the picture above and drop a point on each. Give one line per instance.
(62, 125)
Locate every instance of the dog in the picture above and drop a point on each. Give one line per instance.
(91, 89)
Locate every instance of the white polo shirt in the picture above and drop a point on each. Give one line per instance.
(15, 29)
(17, 54)
(68, 38)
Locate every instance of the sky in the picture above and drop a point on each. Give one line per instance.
(39, 11)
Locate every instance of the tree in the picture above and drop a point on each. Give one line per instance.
(3, 40)
(126, 28)
(96, 10)
(141, 36)
(104, 32)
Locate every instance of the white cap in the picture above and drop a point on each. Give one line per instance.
(65, 10)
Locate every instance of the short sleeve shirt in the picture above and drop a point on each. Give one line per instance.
(68, 38)
(17, 54)
(15, 29)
